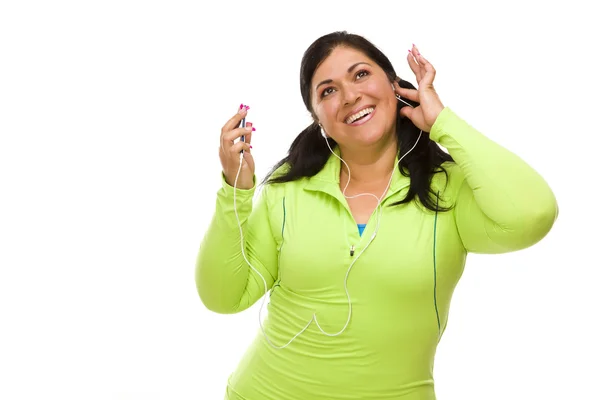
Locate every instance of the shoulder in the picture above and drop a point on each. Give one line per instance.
(448, 182)
(281, 170)
(273, 192)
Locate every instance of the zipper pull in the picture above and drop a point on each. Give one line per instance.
(352, 251)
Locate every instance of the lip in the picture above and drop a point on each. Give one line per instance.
(365, 119)
(357, 110)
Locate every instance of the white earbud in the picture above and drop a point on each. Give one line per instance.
(400, 99)
(323, 132)
(397, 95)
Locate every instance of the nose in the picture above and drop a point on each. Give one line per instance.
(351, 95)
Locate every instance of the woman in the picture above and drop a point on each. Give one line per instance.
(361, 233)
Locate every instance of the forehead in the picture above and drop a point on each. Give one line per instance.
(336, 65)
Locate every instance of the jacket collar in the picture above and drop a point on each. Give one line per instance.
(327, 180)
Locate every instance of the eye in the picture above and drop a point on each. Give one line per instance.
(326, 92)
(362, 71)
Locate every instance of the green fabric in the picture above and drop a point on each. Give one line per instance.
(298, 235)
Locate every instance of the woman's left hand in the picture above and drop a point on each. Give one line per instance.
(430, 105)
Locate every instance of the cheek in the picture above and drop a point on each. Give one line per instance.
(327, 111)
(386, 101)
(379, 89)
(374, 88)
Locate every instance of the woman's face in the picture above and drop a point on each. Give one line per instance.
(348, 82)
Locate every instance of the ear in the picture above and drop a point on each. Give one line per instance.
(315, 119)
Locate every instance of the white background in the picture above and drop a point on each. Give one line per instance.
(110, 114)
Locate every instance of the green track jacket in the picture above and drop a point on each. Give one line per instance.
(299, 236)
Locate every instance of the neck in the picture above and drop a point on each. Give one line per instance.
(369, 167)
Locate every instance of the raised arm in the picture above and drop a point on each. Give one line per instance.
(228, 277)
(502, 204)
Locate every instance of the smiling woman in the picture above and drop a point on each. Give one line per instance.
(363, 230)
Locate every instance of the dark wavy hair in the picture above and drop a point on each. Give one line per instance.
(309, 153)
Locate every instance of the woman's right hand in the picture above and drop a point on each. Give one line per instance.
(229, 152)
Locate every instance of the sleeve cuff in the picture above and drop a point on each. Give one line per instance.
(240, 193)
(445, 118)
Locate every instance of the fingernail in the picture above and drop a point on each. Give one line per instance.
(241, 105)
(253, 129)
(247, 107)
(250, 146)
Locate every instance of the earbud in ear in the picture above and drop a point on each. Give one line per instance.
(323, 132)
(397, 95)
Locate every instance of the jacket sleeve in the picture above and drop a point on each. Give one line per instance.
(225, 282)
(502, 204)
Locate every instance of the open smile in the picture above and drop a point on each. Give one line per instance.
(361, 117)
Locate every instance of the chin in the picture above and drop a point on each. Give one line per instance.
(369, 132)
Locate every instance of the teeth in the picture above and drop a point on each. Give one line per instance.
(359, 114)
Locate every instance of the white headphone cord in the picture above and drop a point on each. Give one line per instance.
(314, 317)
(379, 199)
(254, 269)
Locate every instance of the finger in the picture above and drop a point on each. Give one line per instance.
(411, 94)
(415, 51)
(417, 55)
(429, 71)
(407, 112)
(231, 136)
(248, 137)
(239, 146)
(425, 66)
(414, 66)
(249, 159)
(235, 120)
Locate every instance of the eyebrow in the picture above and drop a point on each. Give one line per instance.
(349, 70)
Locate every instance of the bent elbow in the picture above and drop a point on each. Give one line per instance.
(214, 295)
(215, 303)
(542, 221)
(535, 226)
